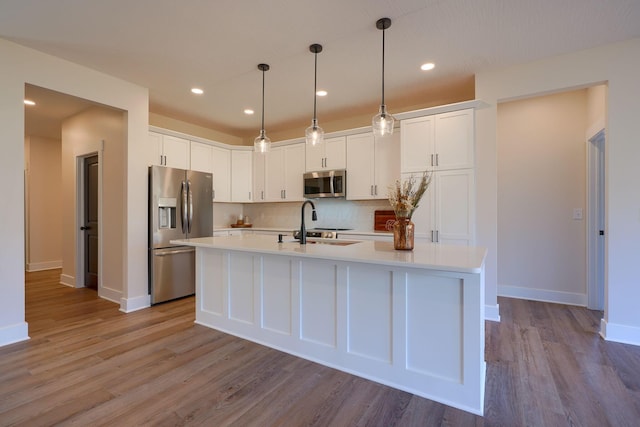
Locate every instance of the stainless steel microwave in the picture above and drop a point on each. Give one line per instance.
(325, 184)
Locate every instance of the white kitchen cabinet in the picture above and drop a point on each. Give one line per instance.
(330, 155)
(447, 210)
(221, 174)
(201, 157)
(259, 170)
(167, 150)
(217, 161)
(372, 166)
(283, 173)
(438, 142)
(241, 176)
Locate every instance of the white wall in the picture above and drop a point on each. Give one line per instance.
(19, 66)
(83, 134)
(617, 65)
(541, 179)
(43, 203)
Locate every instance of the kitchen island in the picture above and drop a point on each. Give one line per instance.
(413, 320)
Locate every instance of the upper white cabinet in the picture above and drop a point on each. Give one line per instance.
(438, 142)
(283, 173)
(166, 150)
(330, 155)
(201, 157)
(446, 212)
(221, 174)
(241, 176)
(372, 165)
(259, 170)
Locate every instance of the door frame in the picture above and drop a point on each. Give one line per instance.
(80, 217)
(596, 197)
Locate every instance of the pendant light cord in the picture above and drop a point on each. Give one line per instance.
(315, 86)
(262, 126)
(383, 30)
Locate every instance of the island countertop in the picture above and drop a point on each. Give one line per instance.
(435, 256)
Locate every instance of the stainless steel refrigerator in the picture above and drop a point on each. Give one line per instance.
(180, 206)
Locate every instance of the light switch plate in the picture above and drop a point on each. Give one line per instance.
(577, 213)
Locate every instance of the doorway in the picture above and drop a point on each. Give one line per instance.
(89, 227)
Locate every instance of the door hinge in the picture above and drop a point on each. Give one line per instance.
(602, 232)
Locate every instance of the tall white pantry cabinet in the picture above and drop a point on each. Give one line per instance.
(442, 144)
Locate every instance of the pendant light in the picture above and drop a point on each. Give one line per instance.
(382, 122)
(314, 133)
(262, 144)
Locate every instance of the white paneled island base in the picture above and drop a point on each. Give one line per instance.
(410, 320)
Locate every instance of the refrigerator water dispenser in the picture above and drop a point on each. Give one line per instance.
(167, 212)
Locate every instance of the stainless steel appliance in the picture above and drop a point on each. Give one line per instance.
(325, 184)
(180, 206)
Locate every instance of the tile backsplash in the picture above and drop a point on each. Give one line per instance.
(340, 213)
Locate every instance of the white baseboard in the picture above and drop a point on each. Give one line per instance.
(46, 265)
(620, 333)
(110, 294)
(544, 295)
(67, 280)
(14, 333)
(492, 312)
(127, 305)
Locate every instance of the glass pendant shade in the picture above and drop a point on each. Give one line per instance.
(382, 123)
(314, 134)
(262, 144)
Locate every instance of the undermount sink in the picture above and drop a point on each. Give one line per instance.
(332, 242)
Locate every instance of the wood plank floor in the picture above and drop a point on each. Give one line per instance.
(88, 364)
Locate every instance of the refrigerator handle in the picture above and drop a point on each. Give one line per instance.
(183, 210)
(190, 203)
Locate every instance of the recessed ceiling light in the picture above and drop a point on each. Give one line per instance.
(321, 93)
(428, 66)
(248, 111)
(29, 102)
(197, 90)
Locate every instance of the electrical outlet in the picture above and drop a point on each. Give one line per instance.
(577, 213)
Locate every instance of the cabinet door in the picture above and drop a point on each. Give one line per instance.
(259, 171)
(417, 140)
(335, 153)
(387, 165)
(241, 175)
(201, 157)
(294, 166)
(314, 157)
(455, 207)
(175, 152)
(454, 140)
(221, 174)
(274, 175)
(154, 150)
(360, 166)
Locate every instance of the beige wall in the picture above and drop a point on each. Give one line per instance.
(82, 135)
(43, 203)
(541, 180)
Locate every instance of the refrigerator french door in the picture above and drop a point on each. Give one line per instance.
(180, 207)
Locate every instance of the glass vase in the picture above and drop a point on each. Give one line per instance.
(403, 230)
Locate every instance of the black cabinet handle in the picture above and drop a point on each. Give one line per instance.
(85, 228)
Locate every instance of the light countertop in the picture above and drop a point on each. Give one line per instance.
(463, 259)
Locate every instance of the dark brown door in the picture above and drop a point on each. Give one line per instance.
(90, 227)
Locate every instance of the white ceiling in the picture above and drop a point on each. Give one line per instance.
(169, 46)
